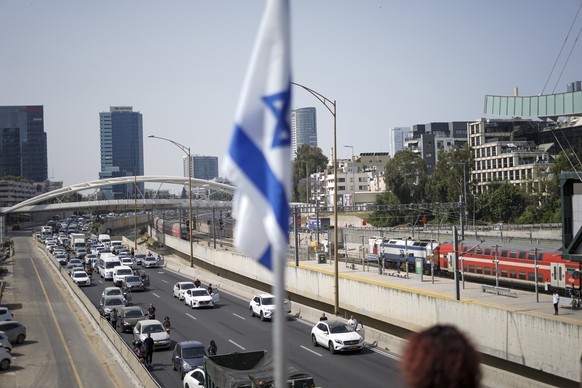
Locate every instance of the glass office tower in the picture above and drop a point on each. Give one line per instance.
(23, 142)
(121, 149)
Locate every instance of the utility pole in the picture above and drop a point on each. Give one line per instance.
(456, 257)
(497, 266)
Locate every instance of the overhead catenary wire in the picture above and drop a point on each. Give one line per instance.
(561, 49)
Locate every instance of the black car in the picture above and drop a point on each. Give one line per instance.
(187, 356)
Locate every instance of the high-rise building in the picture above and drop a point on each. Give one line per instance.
(23, 144)
(396, 138)
(303, 129)
(203, 167)
(121, 149)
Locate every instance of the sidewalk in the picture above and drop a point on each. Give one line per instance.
(445, 288)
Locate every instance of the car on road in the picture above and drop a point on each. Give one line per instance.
(263, 306)
(199, 297)
(81, 278)
(139, 258)
(112, 291)
(129, 316)
(70, 268)
(188, 355)
(180, 289)
(127, 261)
(120, 272)
(6, 314)
(150, 262)
(194, 379)
(108, 303)
(157, 331)
(15, 331)
(336, 336)
(62, 258)
(133, 283)
(5, 358)
(4, 341)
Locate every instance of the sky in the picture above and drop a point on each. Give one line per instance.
(181, 63)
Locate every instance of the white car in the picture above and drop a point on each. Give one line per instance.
(263, 306)
(336, 336)
(128, 262)
(6, 314)
(120, 272)
(180, 289)
(157, 331)
(194, 379)
(81, 278)
(199, 297)
(5, 358)
(150, 262)
(4, 341)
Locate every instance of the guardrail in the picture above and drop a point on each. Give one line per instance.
(498, 290)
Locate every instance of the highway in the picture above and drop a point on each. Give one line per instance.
(231, 326)
(61, 348)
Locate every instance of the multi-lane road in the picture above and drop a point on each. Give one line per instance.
(61, 349)
(233, 329)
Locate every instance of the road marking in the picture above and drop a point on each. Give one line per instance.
(165, 281)
(238, 316)
(191, 316)
(309, 350)
(235, 344)
(156, 295)
(385, 354)
(50, 306)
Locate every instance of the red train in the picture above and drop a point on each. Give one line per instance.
(515, 266)
(171, 227)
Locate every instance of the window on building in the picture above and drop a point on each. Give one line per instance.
(487, 271)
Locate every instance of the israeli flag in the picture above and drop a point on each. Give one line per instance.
(258, 160)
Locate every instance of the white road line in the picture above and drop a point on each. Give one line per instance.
(191, 316)
(238, 316)
(235, 344)
(309, 350)
(165, 281)
(385, 354)
(156, 295)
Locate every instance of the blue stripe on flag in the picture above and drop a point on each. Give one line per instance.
(252, 162)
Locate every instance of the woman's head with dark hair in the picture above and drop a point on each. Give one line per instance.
(440, 356)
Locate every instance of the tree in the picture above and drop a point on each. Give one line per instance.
(503, 202)
(308, 161)
(406, 177)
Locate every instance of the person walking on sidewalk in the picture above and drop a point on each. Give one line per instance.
(556, 301)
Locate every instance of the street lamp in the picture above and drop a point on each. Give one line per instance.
(186, 150)
(353, 176)
(327, 103)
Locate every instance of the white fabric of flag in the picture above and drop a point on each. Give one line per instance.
(258, 160)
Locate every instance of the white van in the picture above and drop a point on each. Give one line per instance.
(105, 265)
(120, 272)
(104, 239)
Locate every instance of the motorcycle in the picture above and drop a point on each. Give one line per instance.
(139, 350)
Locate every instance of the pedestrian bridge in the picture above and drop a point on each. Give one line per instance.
(38, 203)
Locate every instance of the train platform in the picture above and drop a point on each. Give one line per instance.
(509, 299)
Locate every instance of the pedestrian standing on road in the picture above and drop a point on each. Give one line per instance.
(167, 324)
(113, 316)
(352, 323)
(212, 349)
(210, 288)
(149, 349)
(323, 317)
(197, 283)
(151, 311)
(556, 301)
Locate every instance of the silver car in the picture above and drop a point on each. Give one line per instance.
(15, 331)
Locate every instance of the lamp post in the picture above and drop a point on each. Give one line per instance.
(353, 176)
(331, 107)
(186, 150)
